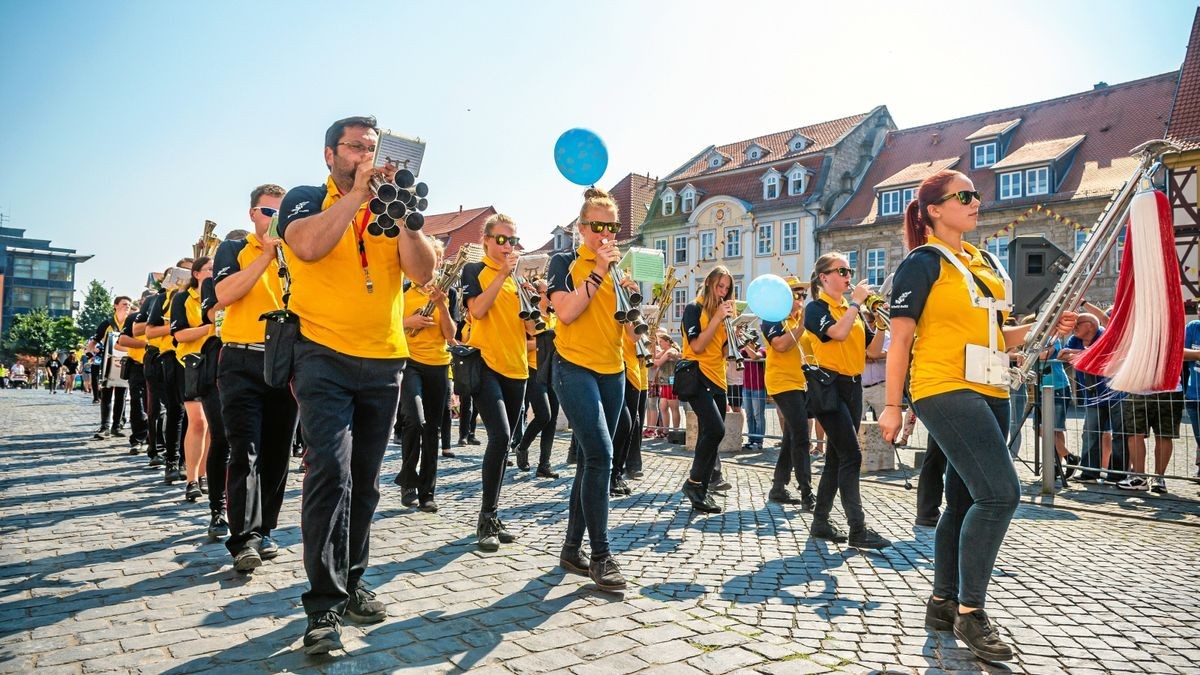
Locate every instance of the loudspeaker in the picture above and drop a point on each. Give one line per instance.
(1035, 265)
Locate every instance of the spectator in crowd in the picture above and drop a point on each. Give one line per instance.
(1142, 414)
(666, 355)
(754, 395)
(1054, 371)
(53, 366)
(71, 364)
(1095, 397)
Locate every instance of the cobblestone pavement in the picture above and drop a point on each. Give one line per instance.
(105, 568)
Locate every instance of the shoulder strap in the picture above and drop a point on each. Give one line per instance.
(975, 286)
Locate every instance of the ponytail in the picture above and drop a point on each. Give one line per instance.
(917, 223)
(914, 226)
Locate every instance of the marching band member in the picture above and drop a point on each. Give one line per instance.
(259, 420)
(499, 334)
(112, 399)
(135, 349)
(842, 342)
(191, 328)
(628, 439)
(165, 387)
(541, 398)
(425, 389)
(934, 323)
(588, 375)
(704, 338)
(346, 289)
(787, 387)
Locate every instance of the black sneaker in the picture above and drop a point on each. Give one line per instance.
(247, 560)
(203, 481)
(217, 527)
(364, 608)
(100, 435)
(447, 453)
(720, 485)
(868, 538)
(155, 462)
(502, 532)
(823, 529)
(634, 475)
(575, 561)
(117, 432)
(192, 491)
(267, 548)
(940, 614)
(782, 495)
(324, 633)
(523, 460)
(623, 486)
(613, 489)
(710, 505)
(606, 574)
(981, 636)
(409, 497)
(544, 472)
(462, 443)
(428, 506)
(472, 440)
(134, 450)
(487, 534)
(807, 501)
(1070, 464)
(171, 473)
(695, 494)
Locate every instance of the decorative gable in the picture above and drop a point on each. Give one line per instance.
(716, 159)
(687, 198)
(798, 142)
(770, 182)
(797, 176)
(754, 151)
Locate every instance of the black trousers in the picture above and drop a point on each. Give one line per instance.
(176, 421)
(97, 390)
(931, 484)
(155, 422)
(347, 406)
(499, 401)
(629, 428)
(843, 458)
(112, 404)
(467, 413)
(793, 456)
(138, 428)
(709, 406)
(446, 424)
(259, 423)
(544, 402)
(424, 395)
(215, 463)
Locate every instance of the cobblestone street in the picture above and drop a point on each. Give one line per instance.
(106, 568)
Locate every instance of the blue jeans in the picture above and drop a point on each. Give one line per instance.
(592, 403)
(982, 490)
(754, 402)
(1017, 401)
(1097, 421)
(1193, 413)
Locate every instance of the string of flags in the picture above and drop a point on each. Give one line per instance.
(1038, 209)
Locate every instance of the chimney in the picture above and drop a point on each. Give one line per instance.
(937, 138)
(1099, 85)
(460, 208)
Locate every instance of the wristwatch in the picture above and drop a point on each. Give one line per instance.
(855, 305)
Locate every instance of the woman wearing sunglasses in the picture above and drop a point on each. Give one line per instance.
(787, 387)
(933, 323)
(589, 378)
(704, 338)
(843, 342)
(499, 334)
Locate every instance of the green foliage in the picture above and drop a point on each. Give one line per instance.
(31, 334)
(65, 335)
(97, 307)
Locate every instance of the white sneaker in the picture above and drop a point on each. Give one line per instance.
(1158, 484)
(1134, 483)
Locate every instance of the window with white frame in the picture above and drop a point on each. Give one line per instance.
(985, 154)
(852, 261)
(998, 246)
(661, 244)
(797, 144)
(889, 203)
(680, 301)
(1080, 239)
(668, 203)
(708, 241)
(688, 201)
(737, 287)
(715, 161)
(876, 266)
(733, 243)
(796, 182)
(1010, 185)
(771, 186)
(1120, 252)
(906, 197)
(754, 153)
(681, 252)
(1037, 181)
(790, 234)
(765, 241)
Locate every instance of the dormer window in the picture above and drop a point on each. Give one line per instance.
(889, 203)
(984, 154)
(797, 180)
(755, 151)
(1010, 185)
(906, 197)
(754, 154)
(1037, 181)
(668, 202)
(716, 160)
(797, 143)
(770, 181)
(687, 199)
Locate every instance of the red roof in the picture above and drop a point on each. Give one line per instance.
(464, 226)
(1184, 128)
(633, 195)
(1113, 119)
(822, 136)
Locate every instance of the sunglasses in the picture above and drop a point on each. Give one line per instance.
(799, 295)
(267, 211)
(964, 197)
(844, 271)
(502, 239)
(599, 227)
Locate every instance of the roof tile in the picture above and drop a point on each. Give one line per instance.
(1184, 128)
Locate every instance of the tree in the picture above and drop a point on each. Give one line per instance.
(31, 334)
(97, 307)
(64, 334)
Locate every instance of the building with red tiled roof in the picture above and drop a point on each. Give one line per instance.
(1067, 154)
(754, 204)
(633, 195)
(1184, 168)
(460, 227)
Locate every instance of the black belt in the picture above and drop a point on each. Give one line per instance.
(251, 346)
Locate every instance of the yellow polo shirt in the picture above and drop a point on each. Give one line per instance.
(784, 369)
(331, 294)
(500, 334)
(191, 317)
(849, 356)
(593, 339)
(428, 346)
(635, 366)
(712, 361)
(241, 323)
(930, 290)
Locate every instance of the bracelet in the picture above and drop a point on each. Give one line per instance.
(595, 278)
(893, 405)
(854, 305)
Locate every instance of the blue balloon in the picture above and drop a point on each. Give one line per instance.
(770, 298)
(581, 156)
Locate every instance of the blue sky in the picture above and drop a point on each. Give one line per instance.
(127, 124)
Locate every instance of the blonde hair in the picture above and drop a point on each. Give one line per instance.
(599, 199)
(708, 291)
(819, 266)
(498, 219)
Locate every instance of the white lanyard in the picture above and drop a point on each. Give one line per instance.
(990, 305)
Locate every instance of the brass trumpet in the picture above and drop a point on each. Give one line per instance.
(529, 301)
(207, 245)
(449, 275)
(662, 302)
(732, 352)
(877, 311)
